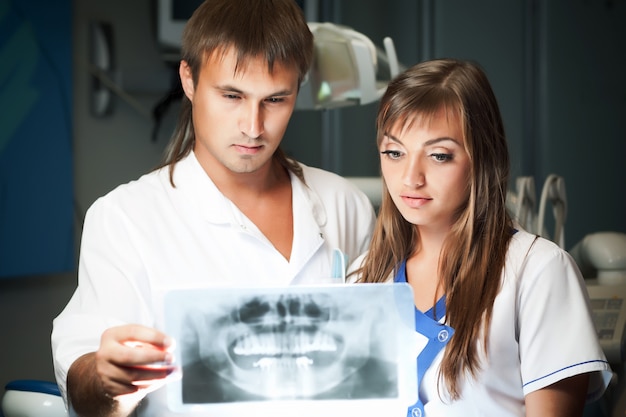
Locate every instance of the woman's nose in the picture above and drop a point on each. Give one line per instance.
(414, 175)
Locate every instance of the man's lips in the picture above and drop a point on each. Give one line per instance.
(248, 149)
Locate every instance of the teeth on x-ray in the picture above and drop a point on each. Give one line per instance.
(285, 363)
(296, 343)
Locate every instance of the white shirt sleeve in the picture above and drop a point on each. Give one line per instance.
(109, 292)
(557, 337)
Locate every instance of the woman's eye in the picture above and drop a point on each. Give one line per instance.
(442, 157)
(392, 154)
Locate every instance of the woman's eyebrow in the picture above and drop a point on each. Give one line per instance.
(393, 138)
(434, 141)
(429, 142)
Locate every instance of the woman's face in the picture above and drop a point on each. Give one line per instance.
(426, 169)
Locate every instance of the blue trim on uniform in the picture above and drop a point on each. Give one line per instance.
(438, 335)
(562, 369)
(440, 307)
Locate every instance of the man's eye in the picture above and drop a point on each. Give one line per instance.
(392, 154)
(275, 99)
(231, 96)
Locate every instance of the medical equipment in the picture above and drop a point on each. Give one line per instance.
(602, 255)
(347, 69)
(32, 398)
(523, 206)
(601, 258)
(553, 192)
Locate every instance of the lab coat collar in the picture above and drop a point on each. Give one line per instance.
(309, 217)
(191, 179)
(314, 201)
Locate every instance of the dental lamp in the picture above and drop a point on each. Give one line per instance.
(345, 69)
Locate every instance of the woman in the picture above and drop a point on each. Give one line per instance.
(503, 314)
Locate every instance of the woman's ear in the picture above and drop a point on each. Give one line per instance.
(186, 79)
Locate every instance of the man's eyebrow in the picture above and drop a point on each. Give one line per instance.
(227, 87)
(233, 89)
(282, 93)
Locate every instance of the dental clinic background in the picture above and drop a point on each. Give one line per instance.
(68, 136)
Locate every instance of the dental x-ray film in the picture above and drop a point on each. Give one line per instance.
(297, 350)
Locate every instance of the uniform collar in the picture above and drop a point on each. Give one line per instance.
(191, 179)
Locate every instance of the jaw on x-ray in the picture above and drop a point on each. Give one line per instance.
(300, 343)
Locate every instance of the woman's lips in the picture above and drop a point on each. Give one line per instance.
(415, 201)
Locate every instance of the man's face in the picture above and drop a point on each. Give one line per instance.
(239, 114)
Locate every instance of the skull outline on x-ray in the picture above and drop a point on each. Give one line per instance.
(282, 346)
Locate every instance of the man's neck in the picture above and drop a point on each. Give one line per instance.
(265, 198)
(251, 185)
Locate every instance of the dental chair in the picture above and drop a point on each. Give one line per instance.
(32, 398)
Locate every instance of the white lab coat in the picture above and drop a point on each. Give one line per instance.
(147, 237)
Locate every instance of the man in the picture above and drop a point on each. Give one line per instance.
(226, 208)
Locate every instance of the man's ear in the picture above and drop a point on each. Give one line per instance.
(186, 79)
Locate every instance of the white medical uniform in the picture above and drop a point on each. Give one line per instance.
(147, 237)
(541, 332)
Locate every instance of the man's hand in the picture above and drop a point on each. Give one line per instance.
(131, 361)
(132, 357)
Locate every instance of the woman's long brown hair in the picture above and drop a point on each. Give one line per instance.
(473, 255)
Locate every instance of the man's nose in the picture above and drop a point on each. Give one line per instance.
(251, 122)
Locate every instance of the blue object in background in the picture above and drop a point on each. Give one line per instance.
(36, 178)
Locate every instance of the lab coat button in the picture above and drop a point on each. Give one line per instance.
(416, 412)
(443, 336)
